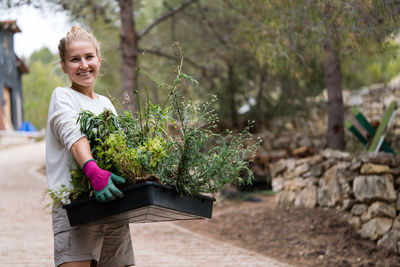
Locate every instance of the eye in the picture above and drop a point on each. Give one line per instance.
(89, 56)
(75, 59)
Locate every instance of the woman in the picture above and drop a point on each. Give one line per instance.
(96, 245)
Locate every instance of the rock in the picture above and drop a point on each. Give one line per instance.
(358, 209)
(347, 204)
(315, 170)
(307, 197)
(277, 167)
(285, 198)
(311, 181)
(335, 154)
(374, 187)
(375, 228)
(390, 241)
(365, 216)
(313, 160)
(343, 165)
(303, 151)
(346, 190)
(290, 165)
(295, 184)
(327, 164)
(396, 223)
(380, 158)
(370, 168)
(277, 184)
(355, 165)
(345, 176)
(355, 222)
(301, 169)
(329, 193)
(381, 209)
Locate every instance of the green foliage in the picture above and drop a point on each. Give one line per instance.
(363, 69)
(192, 167)
(97, 128)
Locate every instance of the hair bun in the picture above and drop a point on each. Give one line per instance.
(74, 28)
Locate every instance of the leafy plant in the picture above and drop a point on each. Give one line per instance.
(193, 160)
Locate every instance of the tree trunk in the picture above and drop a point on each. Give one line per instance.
(231, 95)
(129, 48)
(333, 82)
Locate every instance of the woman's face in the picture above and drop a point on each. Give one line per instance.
(82, 65)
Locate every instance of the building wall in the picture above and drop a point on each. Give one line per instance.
(10, 76)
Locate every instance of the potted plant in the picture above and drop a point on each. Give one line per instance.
(169, 155)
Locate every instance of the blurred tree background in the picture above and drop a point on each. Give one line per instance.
(262, 58)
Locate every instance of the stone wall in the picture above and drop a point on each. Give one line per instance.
(311, 131)
(364, 187)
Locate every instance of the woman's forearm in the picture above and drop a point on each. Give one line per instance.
(80, 150)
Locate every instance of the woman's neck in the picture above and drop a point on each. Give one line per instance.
(86, 90)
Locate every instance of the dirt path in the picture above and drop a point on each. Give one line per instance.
(26, 237)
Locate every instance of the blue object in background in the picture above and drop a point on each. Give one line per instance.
(27, 126)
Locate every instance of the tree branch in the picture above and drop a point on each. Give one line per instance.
(204, 70)
(170, 13)
(171, 57)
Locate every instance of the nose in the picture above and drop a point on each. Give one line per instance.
(84, 64)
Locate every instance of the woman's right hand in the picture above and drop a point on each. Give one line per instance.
(102, 182)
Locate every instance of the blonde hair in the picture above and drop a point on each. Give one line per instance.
(76, 34)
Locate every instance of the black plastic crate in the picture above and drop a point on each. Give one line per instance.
(144, 202)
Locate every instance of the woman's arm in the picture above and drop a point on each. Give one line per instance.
(101, 180)
(80, 150)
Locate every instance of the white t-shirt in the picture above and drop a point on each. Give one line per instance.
(63, 131)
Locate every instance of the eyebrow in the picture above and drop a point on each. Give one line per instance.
(74, 56)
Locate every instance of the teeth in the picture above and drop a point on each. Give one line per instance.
(84, 73)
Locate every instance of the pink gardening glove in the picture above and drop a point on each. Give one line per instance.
(102, 181)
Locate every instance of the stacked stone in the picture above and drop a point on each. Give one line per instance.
(280, 141)
(370, 101)
(363, 187)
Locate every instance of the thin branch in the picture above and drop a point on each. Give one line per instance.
(204, 70)
(170, 13)
(171, 57)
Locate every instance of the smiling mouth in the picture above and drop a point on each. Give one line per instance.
(86, 73)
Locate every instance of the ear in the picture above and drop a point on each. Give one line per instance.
(62, 64)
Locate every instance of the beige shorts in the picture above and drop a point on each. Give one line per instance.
(107, 244)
